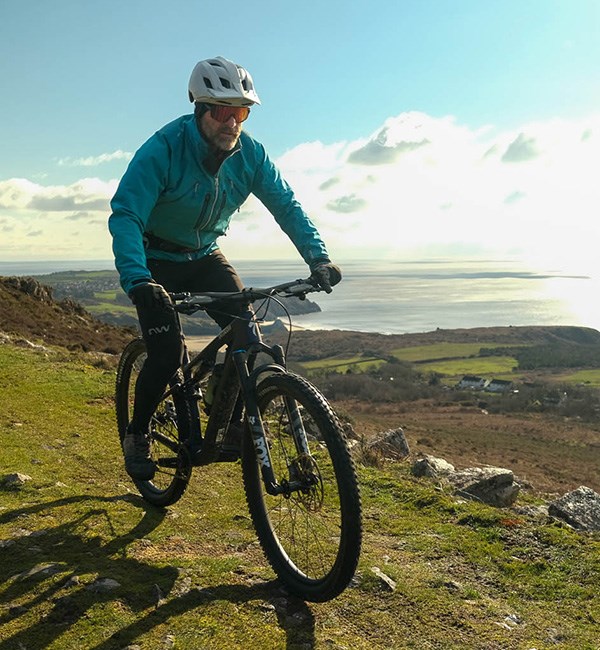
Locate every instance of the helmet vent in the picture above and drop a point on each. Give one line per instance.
(225, 82)
(207, 82)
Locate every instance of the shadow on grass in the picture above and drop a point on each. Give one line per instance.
(30, 563)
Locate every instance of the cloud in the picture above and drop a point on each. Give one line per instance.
(514, 197)
(521, 149)
(38, 219)
(444, 187)
(457, 190)
(378, 151)
(346, 204)
(77, 216)
(16, 192)
(330, 182)
(93, 161)
(66, 203)
(86, 194)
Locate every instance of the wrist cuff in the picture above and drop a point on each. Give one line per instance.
(320, 260)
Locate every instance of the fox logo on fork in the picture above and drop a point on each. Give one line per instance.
(259, 443)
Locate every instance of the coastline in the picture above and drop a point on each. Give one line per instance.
(399, 297)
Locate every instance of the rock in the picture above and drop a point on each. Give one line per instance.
(157, 596)
(73, 581)
(349, 432)
(432, 467)
(26, 343)
(31, 287)
(15, 481)
(580, 509)
(385, 580)
(537, 512)
(103, 585)
(41, 571)
(492, 485)
(391, 444)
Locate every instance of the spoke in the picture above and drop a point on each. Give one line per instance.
(308, 532)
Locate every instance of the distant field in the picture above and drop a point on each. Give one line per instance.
(438, 351)
(356, 364)
(591, 377)
(109, 307)
(498, 367)
(109, 295)
(453, 359)
(445, 351)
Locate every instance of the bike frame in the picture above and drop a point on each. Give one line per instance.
(239, 381)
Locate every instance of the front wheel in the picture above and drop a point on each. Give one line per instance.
(311, 536)
(168, 426)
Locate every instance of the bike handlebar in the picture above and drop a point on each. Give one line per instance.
(190, 302)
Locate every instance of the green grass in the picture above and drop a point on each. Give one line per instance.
(438, 351)
(497, 367)
(452, 359)
(590, 376)
(461, 568)
(355, 364)
(109, 307)
(106, 296)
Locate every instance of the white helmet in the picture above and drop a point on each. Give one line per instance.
(220, 81)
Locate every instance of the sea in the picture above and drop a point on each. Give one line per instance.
(401, 296)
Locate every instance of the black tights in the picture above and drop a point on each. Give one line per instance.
(160, 329)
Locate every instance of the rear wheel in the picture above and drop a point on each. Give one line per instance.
(312, 535)
(170, 423)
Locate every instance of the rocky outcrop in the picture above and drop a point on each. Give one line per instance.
(29, 311)
(492, 485)
(390, 444)
(14, 481)
(497, 487)
(30, 287)
(579, 508)
(432, 467)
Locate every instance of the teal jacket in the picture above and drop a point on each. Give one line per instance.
(166, 195)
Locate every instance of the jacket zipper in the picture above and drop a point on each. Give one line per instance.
(200, 218)
(203, 220)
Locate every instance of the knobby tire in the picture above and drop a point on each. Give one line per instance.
(170, 424)
(310, 537)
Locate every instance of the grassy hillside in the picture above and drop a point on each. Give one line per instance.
(192, 576)
(28, 309)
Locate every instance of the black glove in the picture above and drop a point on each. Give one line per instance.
(150, 295)
(326, 274)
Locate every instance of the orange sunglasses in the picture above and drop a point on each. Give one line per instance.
(223, 113)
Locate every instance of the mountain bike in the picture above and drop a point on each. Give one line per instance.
(299, 477)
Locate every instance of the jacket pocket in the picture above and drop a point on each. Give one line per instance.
(202, 216)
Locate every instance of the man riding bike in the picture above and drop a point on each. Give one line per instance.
(176, 198)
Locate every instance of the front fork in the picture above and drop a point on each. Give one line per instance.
(248, 383)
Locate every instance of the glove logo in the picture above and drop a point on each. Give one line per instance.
(163, 329)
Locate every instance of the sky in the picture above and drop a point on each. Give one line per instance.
(407, 128)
